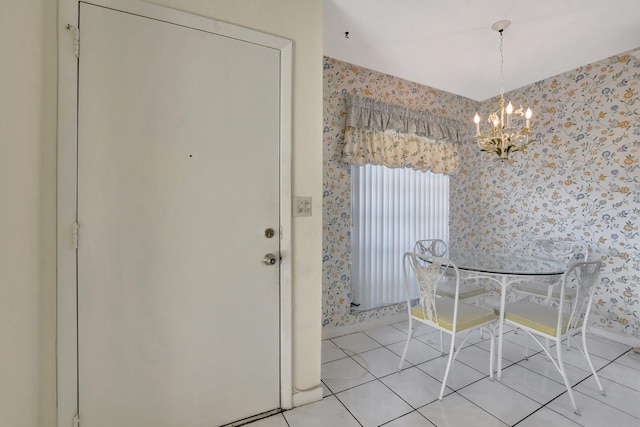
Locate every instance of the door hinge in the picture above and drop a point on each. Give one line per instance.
(74, 235)
(76, 39)
(76, 420)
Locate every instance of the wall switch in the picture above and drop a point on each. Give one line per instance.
(302, 206)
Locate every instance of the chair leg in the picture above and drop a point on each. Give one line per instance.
(492, 352)
(480, 303)
(565, 377)
(569, 335)
(406, 346)
(446, 372)
(546, 343)
(586, 356)
(441, 344)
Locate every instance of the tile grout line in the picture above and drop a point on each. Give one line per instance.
(347, 409)
(455, 391)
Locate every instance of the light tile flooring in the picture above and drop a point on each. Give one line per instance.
(362, 387)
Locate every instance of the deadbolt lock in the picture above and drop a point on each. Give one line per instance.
(269, 233)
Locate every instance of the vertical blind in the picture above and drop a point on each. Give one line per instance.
(391, 209)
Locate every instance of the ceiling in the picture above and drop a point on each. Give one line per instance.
(449, 44)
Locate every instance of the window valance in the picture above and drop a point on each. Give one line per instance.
(396, 137)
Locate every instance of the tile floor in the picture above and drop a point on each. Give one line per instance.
(362, 387)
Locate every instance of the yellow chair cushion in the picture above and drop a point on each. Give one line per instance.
(542, 291)
(535, 316)
(465, 291)
(469, 316)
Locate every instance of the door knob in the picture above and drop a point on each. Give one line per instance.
(269, 259)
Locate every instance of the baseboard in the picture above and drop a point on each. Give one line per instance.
(328, 333)
(622, 339)
(362, 326)
(307, 396)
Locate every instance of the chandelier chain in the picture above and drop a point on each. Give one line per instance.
(501, 67)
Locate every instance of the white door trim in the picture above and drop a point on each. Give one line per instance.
(67, 362)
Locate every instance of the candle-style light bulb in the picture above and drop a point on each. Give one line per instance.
(476, 120)
(509, 108)
(527, 116)
(509, 111)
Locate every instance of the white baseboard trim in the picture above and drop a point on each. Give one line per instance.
(328, 333)
(622, 339)
(307, 396)
(362, 326)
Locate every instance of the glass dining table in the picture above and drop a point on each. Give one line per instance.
(505, 269)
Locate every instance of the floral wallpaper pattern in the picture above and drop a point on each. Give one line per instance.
(580, 180)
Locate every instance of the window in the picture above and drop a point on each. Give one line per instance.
(391, 209)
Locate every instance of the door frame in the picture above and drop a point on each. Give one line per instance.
(67, 168)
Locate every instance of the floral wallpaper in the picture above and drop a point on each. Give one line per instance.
(579, 180)
(341, 79)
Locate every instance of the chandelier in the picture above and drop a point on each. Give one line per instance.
(508, 130)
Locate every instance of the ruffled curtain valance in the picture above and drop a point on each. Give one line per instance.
(398, 137)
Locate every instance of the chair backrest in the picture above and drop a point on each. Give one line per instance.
(584, 276)
(560, 250)
(434, 247)
(428, 271)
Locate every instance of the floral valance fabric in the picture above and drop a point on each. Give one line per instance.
(397, 137)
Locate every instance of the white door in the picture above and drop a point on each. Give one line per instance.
(178, 179)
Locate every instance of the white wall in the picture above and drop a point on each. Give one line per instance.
(28, 79)
(27, 212)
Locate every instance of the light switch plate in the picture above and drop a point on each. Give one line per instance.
(302, 206)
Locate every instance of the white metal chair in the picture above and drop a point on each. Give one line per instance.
(438, 247)
(557, 323)
(443, 313)
(556, 250)
(467, 291)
